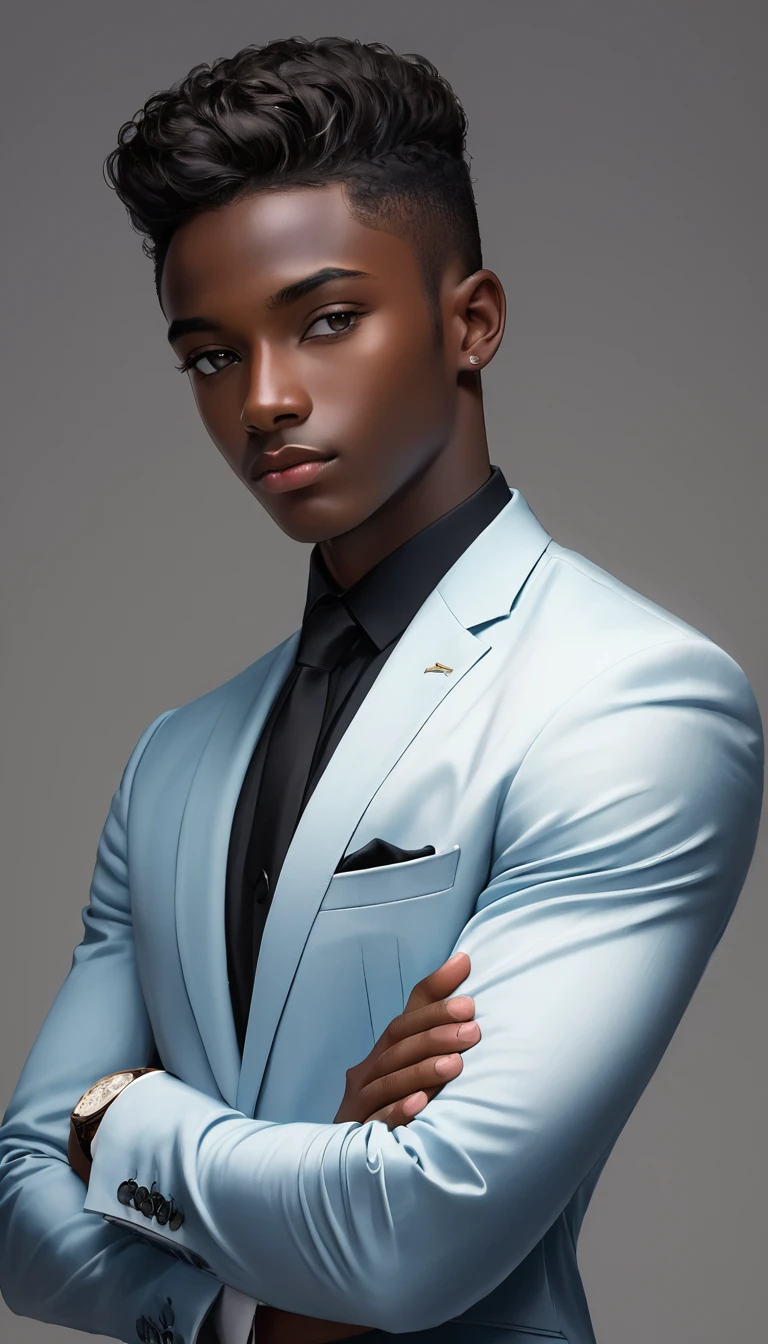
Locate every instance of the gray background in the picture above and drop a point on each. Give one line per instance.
(619, 166)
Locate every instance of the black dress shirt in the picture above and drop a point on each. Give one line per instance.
(383, 602)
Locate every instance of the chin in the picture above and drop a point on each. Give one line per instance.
(312, 520)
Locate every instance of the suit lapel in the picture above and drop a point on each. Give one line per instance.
(201, 863)
(478, 590)
(399, 702)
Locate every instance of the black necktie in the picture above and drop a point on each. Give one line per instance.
(328, 635)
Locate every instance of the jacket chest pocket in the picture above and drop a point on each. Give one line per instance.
(426, 876)
(387, 912)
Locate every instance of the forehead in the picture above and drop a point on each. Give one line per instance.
(271, 238)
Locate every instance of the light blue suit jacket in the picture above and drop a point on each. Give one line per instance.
(589, 772)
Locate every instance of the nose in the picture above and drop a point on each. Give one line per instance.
(275, 392)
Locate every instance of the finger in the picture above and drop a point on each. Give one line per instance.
(402, 1112)
(443, 1012)
(394, 1087)
(440, 982)
(423, 1046)
(414, 1103)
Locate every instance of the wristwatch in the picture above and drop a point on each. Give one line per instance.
(88, 1114)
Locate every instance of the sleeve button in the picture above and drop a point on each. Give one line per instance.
(139, 1196)
(125, 1192)
(176, 1220)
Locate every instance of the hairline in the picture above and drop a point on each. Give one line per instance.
(367, 217)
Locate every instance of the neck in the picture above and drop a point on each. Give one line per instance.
(445, 483)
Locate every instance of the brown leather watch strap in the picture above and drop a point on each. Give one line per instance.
(82, 1129)
(78, 1161)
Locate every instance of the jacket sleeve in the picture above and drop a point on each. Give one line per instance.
(57, 1262)
(621, 845)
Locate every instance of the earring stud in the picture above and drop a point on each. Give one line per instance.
(474, 359)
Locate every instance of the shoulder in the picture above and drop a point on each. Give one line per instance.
(648, 751)
(595, 629)
(642, 710)
(186, 727)
(565, 576)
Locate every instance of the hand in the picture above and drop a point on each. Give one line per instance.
(274, 1326)
(393, 1083)
(417, 1054)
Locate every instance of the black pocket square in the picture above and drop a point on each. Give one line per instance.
(378, 852)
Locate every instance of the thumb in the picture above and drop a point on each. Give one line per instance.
(439, 983)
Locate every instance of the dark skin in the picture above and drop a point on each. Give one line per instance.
(400, 415)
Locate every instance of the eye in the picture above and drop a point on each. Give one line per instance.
(347, 317)
(209, 356)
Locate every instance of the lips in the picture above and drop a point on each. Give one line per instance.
(293, 478)
(290, 455)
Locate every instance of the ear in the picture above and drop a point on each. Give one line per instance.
(480, 311)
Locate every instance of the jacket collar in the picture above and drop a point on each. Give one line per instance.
(385, 600)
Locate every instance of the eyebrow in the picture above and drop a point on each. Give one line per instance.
(285, 296)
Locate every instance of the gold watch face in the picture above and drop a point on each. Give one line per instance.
(101, 1092)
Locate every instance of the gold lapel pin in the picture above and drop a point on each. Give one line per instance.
(439, 667)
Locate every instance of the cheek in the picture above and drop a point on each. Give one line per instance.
(393, 391)
(220, 410)
(222, 427)
(210, 411)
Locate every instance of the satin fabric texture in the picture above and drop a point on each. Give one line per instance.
(590, 775)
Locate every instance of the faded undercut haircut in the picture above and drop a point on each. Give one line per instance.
(307, 113)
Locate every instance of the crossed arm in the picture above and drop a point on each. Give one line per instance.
(621, 845)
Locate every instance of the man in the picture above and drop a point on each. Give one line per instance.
(478, 742)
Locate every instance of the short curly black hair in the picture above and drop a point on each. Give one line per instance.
(306, 113)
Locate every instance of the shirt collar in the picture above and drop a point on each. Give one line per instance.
(385, 600)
